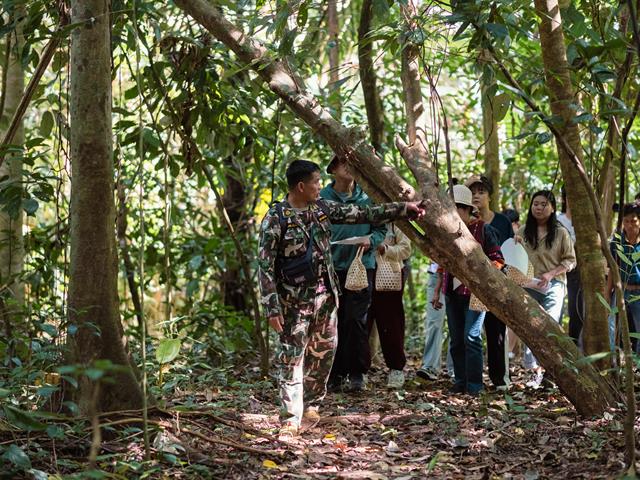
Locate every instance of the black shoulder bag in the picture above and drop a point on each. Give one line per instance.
(296, 270)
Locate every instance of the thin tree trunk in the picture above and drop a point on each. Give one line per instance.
(607, 181)
(490, 138)
(588, 248)
(368, 80)
(93, 297)
(448, 241)
(129, 267)
(11, 240)
(333, 27)
(235, 199)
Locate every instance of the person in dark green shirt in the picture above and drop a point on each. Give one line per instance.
(352, 355)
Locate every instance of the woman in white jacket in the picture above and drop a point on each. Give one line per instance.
(387, 309)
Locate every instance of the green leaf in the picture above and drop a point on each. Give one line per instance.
(303, 15)
(55, 432)
(604, 302)
(592, 358)
(501, 105)
(543, 137)
(22, 419)
(47, 390)
(497, 30)
(168, 350)
(94, 373)
(46, 123)
(16, 455)
(30, 205)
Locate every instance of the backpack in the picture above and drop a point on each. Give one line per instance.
(296, 270)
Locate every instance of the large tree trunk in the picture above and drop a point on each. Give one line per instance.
(93, 297)
(11, 240)
(372, 101)
(588, 249)
(448, 241)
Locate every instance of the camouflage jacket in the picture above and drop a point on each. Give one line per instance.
(273, 289)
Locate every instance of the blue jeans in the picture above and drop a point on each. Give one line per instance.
(433, 327)
(465, 331)
(552, 303)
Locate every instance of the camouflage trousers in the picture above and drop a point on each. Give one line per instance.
(308, 345)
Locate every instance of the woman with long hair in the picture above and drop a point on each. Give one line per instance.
(551, 253)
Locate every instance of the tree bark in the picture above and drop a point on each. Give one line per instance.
(368, 80)
(490, 138)
(93, 297)
(607, 181)
(235, 199)
(333, 27)
(448, 241)
(588, 249)
(11, 239)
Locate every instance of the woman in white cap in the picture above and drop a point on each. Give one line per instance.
(465, 326)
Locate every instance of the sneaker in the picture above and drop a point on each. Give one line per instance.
(357, 382)
(536, 380)
(427, 374)
(396, 379)
(288, 429)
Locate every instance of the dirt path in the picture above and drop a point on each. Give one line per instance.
(424, 432)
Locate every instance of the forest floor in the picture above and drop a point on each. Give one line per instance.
(418, 432)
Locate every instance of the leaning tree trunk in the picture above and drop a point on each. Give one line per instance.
(588, 249)
(11, 240)
(368, 80)
(93, 297)
(448, 241)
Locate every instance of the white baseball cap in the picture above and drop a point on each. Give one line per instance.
(462, 195)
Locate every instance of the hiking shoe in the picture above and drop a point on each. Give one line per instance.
(336, 384)
(475, 393)
(357, 383)
(288, 429)
(311, 414)
(457, 388)
(427, 374)
(396, 379)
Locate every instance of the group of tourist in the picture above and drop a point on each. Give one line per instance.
(310, 241)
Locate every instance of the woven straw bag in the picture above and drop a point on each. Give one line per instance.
(514, 274)
(357, 275)
(388, 275)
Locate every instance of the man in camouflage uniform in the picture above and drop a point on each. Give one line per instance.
(305, 313)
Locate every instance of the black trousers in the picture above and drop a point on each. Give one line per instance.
(352, 355)
(387, 311)
(496, 349)
(575, 304)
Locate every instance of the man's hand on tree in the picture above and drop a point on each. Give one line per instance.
(415, 210)
(276, 322)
